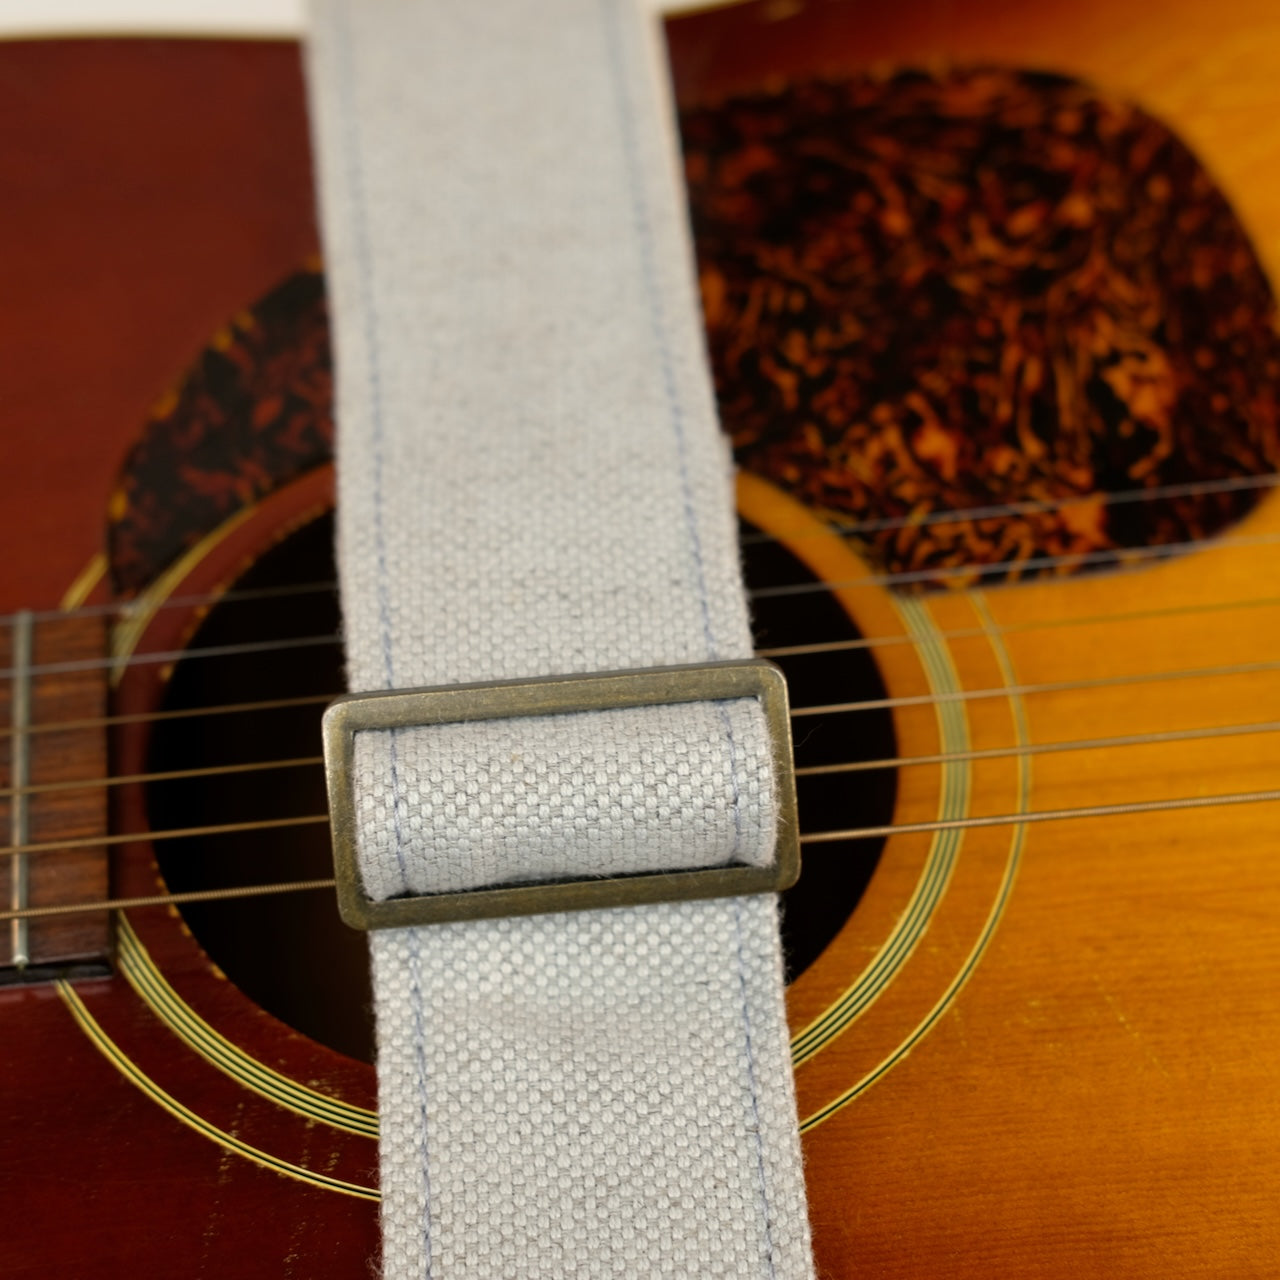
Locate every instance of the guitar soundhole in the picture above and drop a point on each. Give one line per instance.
(290, 953)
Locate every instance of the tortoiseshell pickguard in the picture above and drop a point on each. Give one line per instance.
(924, 293)
(937, 292)
(253, 412)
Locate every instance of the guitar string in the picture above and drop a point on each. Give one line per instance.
(249, 647)
(1033, 506)
(1048, 686)
(836, 708)
(958, 515)
(167, 775)
(181, 713)
(170, 899)
(1013, 628)
(1126, 808)
(155, 657)
(1122, 809)
(872, 704)
(805, 771)
(173, 833)
(126, 609)
(833, 708)
(1122, 558)
(1153, 738)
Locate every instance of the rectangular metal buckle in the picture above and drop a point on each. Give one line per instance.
(556, 695)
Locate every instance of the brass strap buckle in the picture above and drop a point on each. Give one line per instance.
(556, 695)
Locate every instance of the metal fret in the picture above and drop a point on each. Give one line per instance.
(20, 778)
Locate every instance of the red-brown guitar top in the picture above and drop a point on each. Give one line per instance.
(990, 307)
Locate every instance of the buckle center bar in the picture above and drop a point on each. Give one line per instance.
(556, 695)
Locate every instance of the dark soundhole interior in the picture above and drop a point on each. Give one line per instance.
(290, 952)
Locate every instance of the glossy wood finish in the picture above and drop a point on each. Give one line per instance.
(1078, 1076)
(1073, 1072)
(1044, 1050)
(157, 187)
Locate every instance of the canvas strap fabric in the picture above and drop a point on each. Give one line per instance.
(531, 481)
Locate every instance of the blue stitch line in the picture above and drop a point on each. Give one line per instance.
(419, 1038)
(364, 270)
(644, 235)
(754, 1087)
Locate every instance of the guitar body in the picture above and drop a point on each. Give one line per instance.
(127, 1151)
(1038, 1047)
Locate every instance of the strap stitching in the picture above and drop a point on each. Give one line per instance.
(653, 294)
(644, 231)
(365, 271)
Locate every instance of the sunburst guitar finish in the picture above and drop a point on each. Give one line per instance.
(989, 308)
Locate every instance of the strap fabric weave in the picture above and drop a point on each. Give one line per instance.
(531, 481)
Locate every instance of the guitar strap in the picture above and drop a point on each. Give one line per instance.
(532, 482)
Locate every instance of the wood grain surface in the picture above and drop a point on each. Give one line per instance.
(1035, 1049)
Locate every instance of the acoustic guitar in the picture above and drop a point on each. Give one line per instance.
(989, 302)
